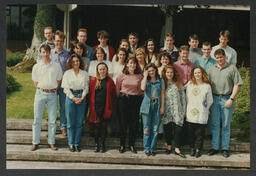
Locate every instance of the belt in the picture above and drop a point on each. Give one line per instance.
(47, 90)
(221, 95)
(154, 100)
(126, 95)
(76, 91)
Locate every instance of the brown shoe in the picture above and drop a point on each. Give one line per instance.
(64, 132)
(34, 147)
(46, 134)
(52, 146)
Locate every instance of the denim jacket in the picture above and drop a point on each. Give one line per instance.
(145, 105)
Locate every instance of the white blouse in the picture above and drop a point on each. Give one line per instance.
(117, 68)
(75, 82)
(93, 65)
(199, 100)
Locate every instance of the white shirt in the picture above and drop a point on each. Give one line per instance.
(75, 82)
(199, 100)
(117, 68)
(47, 75)
(93, 65)
(231, 55)
(107, 52)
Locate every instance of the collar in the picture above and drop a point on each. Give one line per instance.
(42, 63)
(56, 52)
(220, 68)
(182, 63)
(223, 47)
(174, 49)
(206, 58)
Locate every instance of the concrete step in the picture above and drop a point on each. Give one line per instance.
(25, 137)
(26, 124)
(112, 156)
(77, 165)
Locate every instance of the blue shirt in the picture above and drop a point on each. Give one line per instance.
(89, 52)
(60, 58)
(153, 90)
(205, 63)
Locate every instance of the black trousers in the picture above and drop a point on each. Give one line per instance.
(172, 132)
(129, 107)
(114, 121)
(196, 133)
(100, 130)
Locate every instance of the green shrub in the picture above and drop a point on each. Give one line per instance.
(11, 83)
(14, 58)
(241, 115)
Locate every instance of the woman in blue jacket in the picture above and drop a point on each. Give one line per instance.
(152, 107)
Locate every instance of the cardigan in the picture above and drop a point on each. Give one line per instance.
(111, 94)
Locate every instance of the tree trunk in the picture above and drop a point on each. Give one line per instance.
(45, 16)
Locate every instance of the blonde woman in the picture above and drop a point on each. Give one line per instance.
(101, 97)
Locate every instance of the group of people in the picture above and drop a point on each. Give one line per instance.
(166, 88)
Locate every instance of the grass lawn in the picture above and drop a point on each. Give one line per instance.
(19, 104)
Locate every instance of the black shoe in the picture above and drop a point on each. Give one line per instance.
(193, 152)
(121, 149)
(212, 152)
(160, 136)
(97, 148)
(168, 151)
(180, 154)
(198, 154)
(147, 153)
(72, 148)
(133, 149)
(225, 153)
(102, 149)
(153, 153)
(78, 148)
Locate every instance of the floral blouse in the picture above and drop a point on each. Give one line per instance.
(199, 100)
(175, 105)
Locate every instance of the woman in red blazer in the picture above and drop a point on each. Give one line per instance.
(101, 97)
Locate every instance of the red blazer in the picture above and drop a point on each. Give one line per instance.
(111, 94)
(111, 51)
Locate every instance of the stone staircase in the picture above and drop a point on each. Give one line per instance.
(19, 137)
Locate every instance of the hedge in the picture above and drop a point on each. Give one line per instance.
(11, 84)
(14, 58)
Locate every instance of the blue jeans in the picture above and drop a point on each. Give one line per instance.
(220, 116)
(63, 118)
(75, 117)
(50, 100)
(151, 123)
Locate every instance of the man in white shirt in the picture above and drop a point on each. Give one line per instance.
(231, 55)
(47, 77)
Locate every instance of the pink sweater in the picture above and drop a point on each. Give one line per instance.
(129, 84)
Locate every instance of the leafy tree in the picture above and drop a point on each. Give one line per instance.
(45, 16)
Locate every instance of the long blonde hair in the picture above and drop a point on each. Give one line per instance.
(98, 79)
